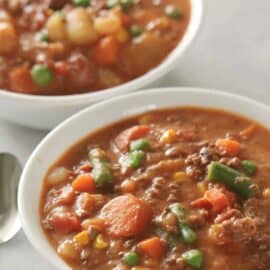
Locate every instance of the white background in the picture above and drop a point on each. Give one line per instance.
(231, 53)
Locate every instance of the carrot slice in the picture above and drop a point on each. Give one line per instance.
(218, 199)
(126, 216)
(106, 51)
(153, 247)
(201, 203)
(231, 147)
(84, 183)
(123, 140)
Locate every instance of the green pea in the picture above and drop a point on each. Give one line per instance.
(126, 4)
(172, 12)
(193, 258)
(188, 235)
(135, 159)
(112, 3)
(140, 144)
(136, 30)
(131, 258)
(81, 3)
(249, 166)
(41, 75)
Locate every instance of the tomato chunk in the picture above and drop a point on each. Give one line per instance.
(126, 216)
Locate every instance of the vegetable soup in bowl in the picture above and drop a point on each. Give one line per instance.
(163, 179)
(81, 51)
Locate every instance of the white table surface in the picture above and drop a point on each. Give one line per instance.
(232, 52)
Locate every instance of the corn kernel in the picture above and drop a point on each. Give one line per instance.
(266, 193)
(201, 187)
(82, 238)
(180, 177)
(168, 136)
(122, 36)
(100, 242)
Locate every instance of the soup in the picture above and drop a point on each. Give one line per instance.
(77, 46)
(183, 188)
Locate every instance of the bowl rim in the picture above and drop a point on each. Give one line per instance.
(25, 178)
(197, 10)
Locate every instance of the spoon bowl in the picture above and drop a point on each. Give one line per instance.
(10, 171)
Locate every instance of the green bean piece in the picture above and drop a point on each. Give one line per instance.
(135, 159)
(41, 75)
(249, 166)
(140, 144)
(131, 258)
(135, 30)
(179, 211)
(43, 37)
(189, 235)
(126, 4)
(101, 173)
(232, 179)
(193, 258)
(172, 12)
(81, 3)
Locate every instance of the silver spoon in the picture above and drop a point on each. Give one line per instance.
(10, 172)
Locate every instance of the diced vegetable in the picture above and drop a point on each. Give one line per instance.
(231, 147)
(97, 223)
(106, 51)
(41, 75)
(128, 186)
(201, 203)
(201, 187)
(43, 36)
(100, 242)
(82, 238)
(58, 175)
(266, 193)
(193, 258)
(85, 205)
(102, 174)
(180, 176)
(126, 4)
(248, 132)
(80, 28)
(249, 166)
(122, 35)
(83, 3)
(135, 30)
(112, 3)
(172, 12)
(140, 268)
(56, 27)
(140, 144)
(126, 216)
(217, 199)
(153, 247)
(131, 258)
(123, 140)
(168, 136)
(8, 34)
(68, 251)
(84, 183)
(232, 179)
(101, 170)
(188, 235)
(135, 159)
(107, 25)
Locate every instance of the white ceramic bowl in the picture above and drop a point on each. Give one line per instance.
(44, 112)
(96, 116)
